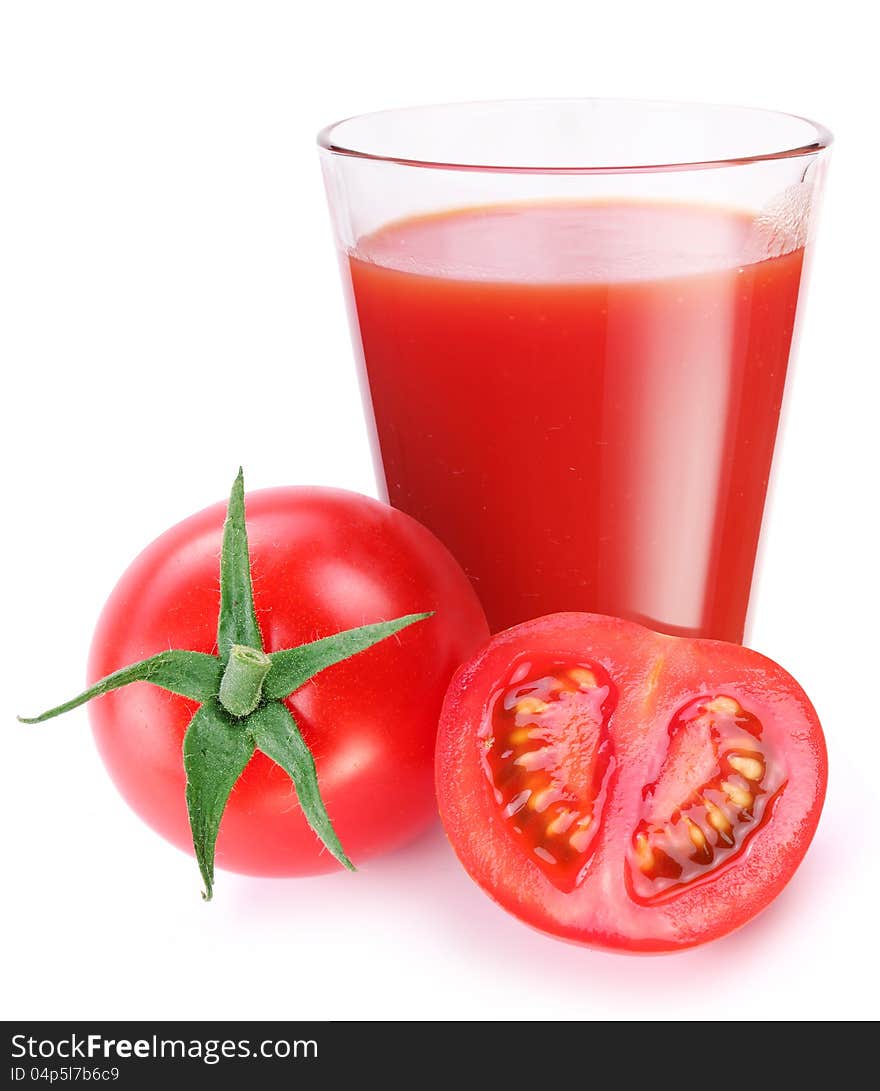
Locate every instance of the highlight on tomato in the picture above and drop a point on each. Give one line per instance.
(269, 689)
(623, 789)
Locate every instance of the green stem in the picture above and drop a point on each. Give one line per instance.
(241, 687)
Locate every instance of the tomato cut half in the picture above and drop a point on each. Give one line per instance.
(620, 788)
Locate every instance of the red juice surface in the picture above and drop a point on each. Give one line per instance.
(581, 400)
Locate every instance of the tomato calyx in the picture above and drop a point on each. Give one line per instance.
(241, 691)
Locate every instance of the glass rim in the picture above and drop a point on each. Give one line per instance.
(823, 140)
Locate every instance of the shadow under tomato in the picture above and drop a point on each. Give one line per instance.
(420, 895)
(496, 941)
(266, 900)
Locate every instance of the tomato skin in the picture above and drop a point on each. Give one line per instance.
(323, 560)
(655, 676)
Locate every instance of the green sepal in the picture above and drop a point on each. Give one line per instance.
(191, 674)
(275, 733)
(293, 667)
(237, 623)
(215, 753)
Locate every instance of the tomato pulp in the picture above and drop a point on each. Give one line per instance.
(581, 400)
(624, 789)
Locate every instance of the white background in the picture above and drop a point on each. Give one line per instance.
(165, 247)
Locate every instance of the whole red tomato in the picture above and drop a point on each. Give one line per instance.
(323, 560)
(624, 789)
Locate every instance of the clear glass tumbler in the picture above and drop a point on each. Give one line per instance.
(574, 320)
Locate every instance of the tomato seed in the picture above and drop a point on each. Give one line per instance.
(750, 768)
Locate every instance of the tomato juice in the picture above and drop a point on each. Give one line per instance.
(581, 399)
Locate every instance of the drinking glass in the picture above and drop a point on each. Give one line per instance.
(573, 321)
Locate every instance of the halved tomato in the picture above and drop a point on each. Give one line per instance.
(625, 789)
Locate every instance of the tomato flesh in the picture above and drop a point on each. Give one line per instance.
(626, 789)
